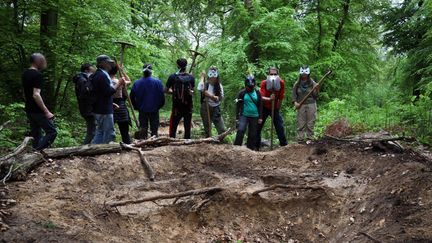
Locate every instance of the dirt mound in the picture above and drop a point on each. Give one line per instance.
(337, 192)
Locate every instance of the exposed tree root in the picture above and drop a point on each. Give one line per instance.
(147, 167)
(288, 187)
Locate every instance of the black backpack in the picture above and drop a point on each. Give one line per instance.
(83, 86)
(181, 87)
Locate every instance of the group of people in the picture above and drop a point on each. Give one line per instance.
(102, 100)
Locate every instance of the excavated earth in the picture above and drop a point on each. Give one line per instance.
(363, 196)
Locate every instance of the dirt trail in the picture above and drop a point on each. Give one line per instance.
(366, 195)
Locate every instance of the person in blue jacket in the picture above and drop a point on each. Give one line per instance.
(103, 105)
(147, 96)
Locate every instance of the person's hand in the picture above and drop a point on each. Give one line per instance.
(203, 75)
(259, 121)
(126, 80)
(272, 96)
(121, 82)
(215, 98)
(237, 122)
(49, 115)
(115, 106)
(296, 105)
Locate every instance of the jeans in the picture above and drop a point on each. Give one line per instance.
(39, 122)
(278, 124)
(105, 132)
(215, 116)
(91, 128)
(146, 118)
(306, 117)
(251, 124)
(176, 116)
(124, 131)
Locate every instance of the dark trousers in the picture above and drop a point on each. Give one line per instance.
(176, 116)
(124, 131)
(39, 122)
(251, 124)
(91, 128)
(146, 119)
(278, 124)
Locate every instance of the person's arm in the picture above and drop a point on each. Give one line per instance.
(239, 103)
(260, 107)
(263, 91)
(133, 96)
(294, 96)
(169, 85)
(161, 94)
(39, 101)
(316, 91)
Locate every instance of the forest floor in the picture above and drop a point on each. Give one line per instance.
(360, 195)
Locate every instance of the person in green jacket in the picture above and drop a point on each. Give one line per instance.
(248, 113)
(307, 112)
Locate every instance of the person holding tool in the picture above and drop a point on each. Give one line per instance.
(304, 96)
(212, 94)
(181, 86)
(272, 91)
(121, 113)
(248, 113)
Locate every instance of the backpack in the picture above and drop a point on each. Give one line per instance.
(83, 86)
(181, 87)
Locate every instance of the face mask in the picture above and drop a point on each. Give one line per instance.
(212, 73)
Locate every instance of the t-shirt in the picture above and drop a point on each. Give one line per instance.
(187, 103)
(31, 79)
(211, 90)
(250, 108)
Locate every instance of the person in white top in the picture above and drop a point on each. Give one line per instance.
(212, 94)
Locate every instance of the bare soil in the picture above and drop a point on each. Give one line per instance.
(367, 196)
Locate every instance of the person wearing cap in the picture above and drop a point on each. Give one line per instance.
(103, 104)
(38, 115)
(147, 96)
(307, 112)
(272, 89)
(248, 113)
(212, 94)
(181, 86)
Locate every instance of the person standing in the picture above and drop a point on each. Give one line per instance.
(38, 115)
(272, 91)
(181, 86)
(248, 113)
(103, 105)
(212, 94)
(85, 98)
(307, 112)
(147, 96)
(121, 113)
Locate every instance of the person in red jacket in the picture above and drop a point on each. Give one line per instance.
(273, 88)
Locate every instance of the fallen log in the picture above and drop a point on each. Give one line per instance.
(167, 196)
(162, 141)
(289, 187)
(147, 168)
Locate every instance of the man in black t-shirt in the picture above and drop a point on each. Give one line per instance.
(40, 118)
(181, 86)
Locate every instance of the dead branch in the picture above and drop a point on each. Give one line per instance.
(289, 187)
(369, 237)
(368, 139)
(147, 168)
(162, 141)
(4, 125)
(18, 149)
(167, 196)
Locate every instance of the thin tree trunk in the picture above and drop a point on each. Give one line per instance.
(48, 34)
(342, 21)
(253, 49)
(320, 29)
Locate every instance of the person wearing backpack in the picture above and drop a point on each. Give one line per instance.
(211, 95)
(181, 86)
(248, 113)
(272, 91)
(85, 98)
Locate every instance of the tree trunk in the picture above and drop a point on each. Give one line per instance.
(342, 21)
(320, 29)
(253, 49)
(48, 34)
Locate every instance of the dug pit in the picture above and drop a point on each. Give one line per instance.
(326, 192)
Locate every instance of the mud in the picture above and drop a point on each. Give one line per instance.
(367, 195)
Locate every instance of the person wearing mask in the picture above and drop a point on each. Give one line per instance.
(307, 112)
(121, 113)
(272, 92)
(103, 104)
(38, 115)
(147, 96)
(181, 86)
(85, 98)
(248, 113)
(212, 94)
